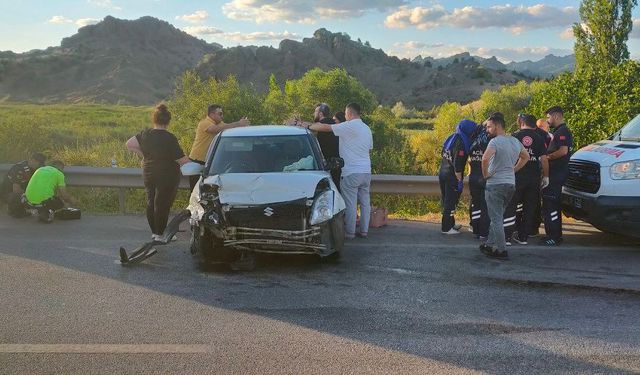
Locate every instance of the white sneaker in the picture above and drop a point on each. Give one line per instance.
(452, 231)
(457, 227)
(508, 243)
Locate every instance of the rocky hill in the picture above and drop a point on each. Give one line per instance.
(547, 67)
(390, 78)
(114, 61)
(137, 61)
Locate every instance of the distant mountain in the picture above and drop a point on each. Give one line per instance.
(137, 62)
(390, 78)
(547, 67)
(114, 61)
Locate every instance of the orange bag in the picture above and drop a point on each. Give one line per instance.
(379, 217)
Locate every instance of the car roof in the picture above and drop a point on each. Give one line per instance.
(263, 130)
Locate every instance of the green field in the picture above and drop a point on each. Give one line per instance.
(91, 135)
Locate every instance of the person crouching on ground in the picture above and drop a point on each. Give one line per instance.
(455, 152)
(162, 158)
(504, 156)
(46, 190)
(16, 182)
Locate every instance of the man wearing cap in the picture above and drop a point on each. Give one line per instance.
(528, 181)
(559, 153)
(206, 130)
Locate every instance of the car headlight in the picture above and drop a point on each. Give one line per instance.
(322, 209)
(625, 170)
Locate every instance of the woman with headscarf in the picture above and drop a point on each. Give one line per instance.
(455, 152)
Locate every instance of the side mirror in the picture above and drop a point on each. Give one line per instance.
(191, 169)
(334, 163)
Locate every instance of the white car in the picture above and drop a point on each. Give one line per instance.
(603, 186)
(266, 189)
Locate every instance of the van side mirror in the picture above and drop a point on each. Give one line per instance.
(334, 163)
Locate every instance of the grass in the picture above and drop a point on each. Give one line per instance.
(91, 135)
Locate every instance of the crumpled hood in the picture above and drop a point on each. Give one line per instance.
(264, 188)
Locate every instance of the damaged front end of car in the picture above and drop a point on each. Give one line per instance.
(252, 213)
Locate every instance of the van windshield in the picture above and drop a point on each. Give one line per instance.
(631, 131)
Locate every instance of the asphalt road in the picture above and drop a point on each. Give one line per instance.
(406, 300)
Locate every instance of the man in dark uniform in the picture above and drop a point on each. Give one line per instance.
(558, 153)
(16, 181)
(528, 181)
(329, 142)
(479, 219)
(455, 152)
(542, 129)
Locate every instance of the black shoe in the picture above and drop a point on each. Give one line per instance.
(551, 241)
(486, 249)
(520, 241)
(45, 216)
(501, 255)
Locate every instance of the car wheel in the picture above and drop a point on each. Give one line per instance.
(209, 247)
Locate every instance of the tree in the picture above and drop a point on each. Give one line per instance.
(601, 37)
(275, 103)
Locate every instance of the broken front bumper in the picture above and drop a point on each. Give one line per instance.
(275, 241)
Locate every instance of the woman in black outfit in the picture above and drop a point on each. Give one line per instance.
(162, 158)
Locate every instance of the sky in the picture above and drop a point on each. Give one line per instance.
(511, 31)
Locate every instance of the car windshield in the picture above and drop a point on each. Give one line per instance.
(262, 154)
(631, 131)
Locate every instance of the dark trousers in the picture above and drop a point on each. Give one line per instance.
(520, 214)
(53, 204)
(449, 199)
(552, 209)
(537, 217)
(478, 207)
(15, 207)
(161, 192)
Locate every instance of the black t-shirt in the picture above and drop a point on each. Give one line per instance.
(20, 174)
(534, 145)
(161, 150)
(561, 137)
(546, 137)
(478, 147)
(329, 142)
(454, 159)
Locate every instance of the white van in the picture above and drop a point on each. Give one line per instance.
(603, 186)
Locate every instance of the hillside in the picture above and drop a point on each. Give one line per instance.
(114, 61)
(390, 78)
(137, 62)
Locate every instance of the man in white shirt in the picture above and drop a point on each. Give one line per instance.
(356, 141)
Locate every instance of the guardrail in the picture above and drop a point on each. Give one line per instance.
(124, 178)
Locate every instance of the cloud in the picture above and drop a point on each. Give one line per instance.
(567, 33)
(303, 11)
(635, 32)
(198, 16)
(86, 21)
(515, 18)
(104, 4)
(59, 20)
(239, 36)
(201, 30)
(261, 35)
(412, 49)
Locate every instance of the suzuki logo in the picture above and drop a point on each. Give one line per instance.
(268, 211)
